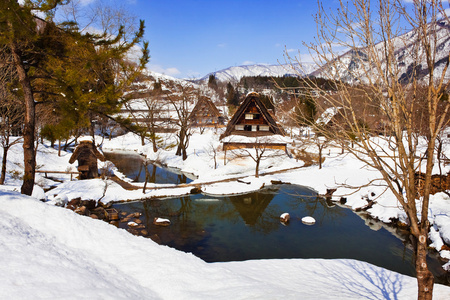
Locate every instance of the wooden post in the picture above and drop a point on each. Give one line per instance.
(225, 158)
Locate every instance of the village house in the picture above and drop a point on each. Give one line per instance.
(254, 121)
(206, 114)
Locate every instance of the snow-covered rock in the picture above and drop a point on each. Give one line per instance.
(308, 220)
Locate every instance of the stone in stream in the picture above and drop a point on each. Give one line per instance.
(161, 222)
(308, 220)
(284, 218)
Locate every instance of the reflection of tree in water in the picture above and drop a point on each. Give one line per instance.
(314, 205)
(138, 169)
(130, 165)
(149, 176)
(182, 178)
(184, 231)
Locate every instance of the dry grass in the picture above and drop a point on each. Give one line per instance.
(307, 157)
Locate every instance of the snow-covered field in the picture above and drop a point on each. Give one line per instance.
(50, 252)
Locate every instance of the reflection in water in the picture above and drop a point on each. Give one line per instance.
(134, 166)
(247, 226)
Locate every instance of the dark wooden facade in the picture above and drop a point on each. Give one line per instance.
(253, 119)
(206, 114)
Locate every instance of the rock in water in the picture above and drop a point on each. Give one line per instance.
(161, 222)
(132, 224)
(308, 220)
(284, 218)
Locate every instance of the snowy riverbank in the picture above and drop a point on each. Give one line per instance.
(49, 252)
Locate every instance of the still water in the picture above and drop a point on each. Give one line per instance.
(247, 226)
(132, 165)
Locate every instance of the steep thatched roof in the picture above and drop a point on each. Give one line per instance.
(253, 98)
(205, 102)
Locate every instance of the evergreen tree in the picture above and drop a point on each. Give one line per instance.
(306, 110)
(267, 101)
(19, 31)
(245, 84)
(212, 82)
(157, 86)
(77, 71)
(232, 95)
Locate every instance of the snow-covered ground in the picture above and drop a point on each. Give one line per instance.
(49, 252)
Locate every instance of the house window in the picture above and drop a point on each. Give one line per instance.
(239, 127)
(263, 128)
(254, 128)
(249, 116)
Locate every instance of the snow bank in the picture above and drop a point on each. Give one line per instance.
(51, 252)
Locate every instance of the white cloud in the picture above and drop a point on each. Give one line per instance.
(172, 71)
(222, 45)
(167, 71)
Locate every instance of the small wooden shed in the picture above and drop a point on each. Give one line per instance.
(87, 154)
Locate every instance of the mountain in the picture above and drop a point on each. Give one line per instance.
(234, 74)
(355, 66)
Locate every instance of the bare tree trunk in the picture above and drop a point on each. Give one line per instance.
(155, 149)
(153, 177)
(181, 143)
(147, 175)
(425, 278)
(29, 124)
(3, 174)
(184, 153)
(320, 157)
(257, 168)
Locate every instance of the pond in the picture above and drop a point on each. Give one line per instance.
(247, 226)
(132, 166)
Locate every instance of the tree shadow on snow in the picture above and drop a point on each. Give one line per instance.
(367, 281)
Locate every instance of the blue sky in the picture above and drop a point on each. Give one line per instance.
(190, 38)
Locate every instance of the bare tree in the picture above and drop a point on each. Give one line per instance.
(394, 60)
(11, 111)
(320, 142)
(150, 117)
(182, 102)
(212, 150)
(259, 149)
